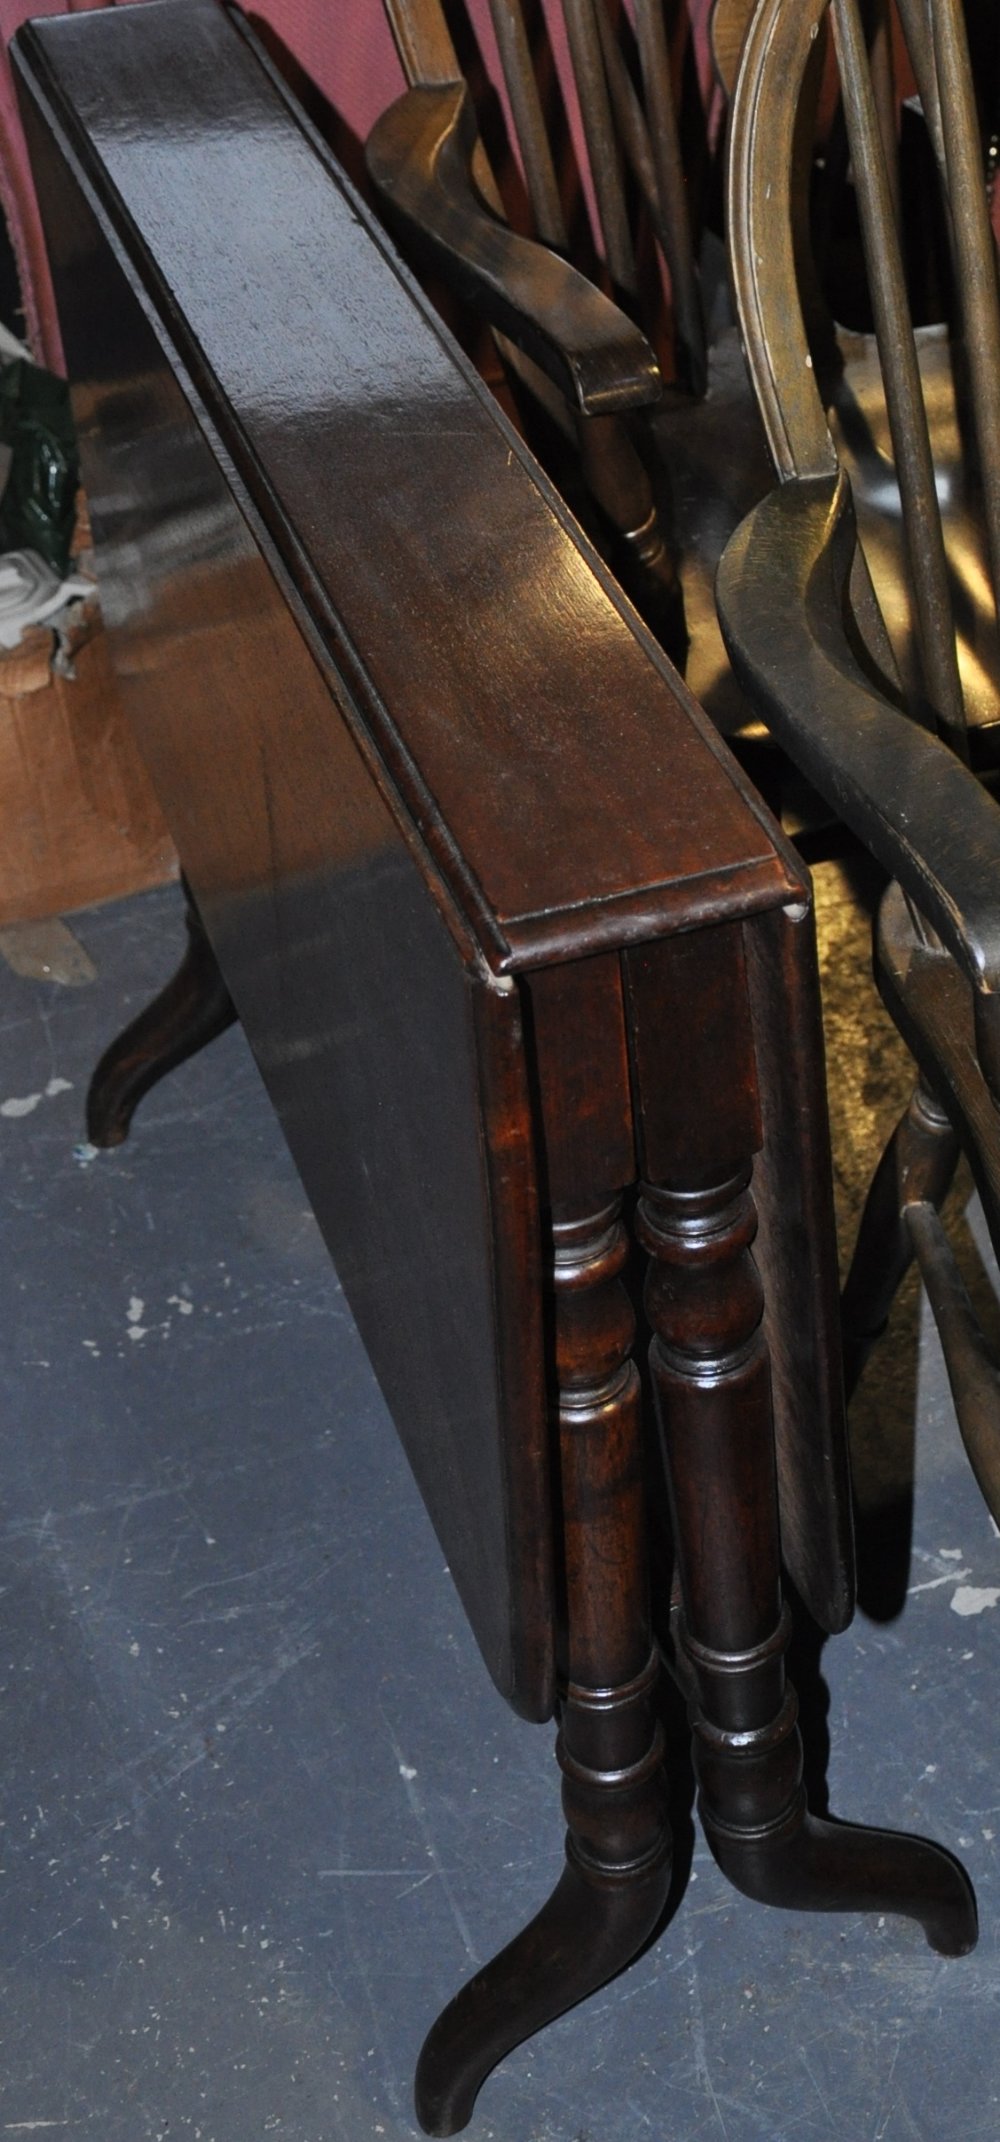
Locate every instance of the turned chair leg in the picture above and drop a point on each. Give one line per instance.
(618, 479)
(711, 1379)
(190, 1012)
(614, 1887)
(917, 1166)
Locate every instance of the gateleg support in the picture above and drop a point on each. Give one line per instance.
(711, 1379)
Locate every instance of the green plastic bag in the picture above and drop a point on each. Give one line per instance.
(38, 507)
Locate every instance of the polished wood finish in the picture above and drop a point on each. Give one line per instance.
(661, 474)
(624, 131)
(506, 933)
(576, 322)
(357, 976)
(614, 1887)
(711, 1377)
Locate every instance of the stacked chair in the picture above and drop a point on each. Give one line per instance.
(858, 603)
(613, 324)
(858, 600)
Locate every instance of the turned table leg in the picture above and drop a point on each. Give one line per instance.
(190, 1012)
(614, 1886)
(711, 1378)
(692, 1038)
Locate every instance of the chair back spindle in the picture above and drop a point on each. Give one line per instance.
(965, 353)
(975, 256)
(787, 592)
(674, 227)
(627, 134)
(928, 565)
(529, 123)
(919, 39)
(883, 77)
(603, 149)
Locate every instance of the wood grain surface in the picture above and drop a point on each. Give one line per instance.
(460, 624)
(405, 744)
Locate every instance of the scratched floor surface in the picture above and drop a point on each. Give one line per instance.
(246, 1854)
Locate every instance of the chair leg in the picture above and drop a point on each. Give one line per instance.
(917, 1166)
(711, 1379)
(618, 479)
(614, 1887)
(190, 1012)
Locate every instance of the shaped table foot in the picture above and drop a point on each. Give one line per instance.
(710, 1373)
(586, 1933)
(190, 1012)
(615, 1884)
(753, 1810)
(806, 1864)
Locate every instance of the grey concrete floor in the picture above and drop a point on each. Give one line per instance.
(261, 1809)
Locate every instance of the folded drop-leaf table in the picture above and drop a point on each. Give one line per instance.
(529, 974)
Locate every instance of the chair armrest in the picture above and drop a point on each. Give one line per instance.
(782, 592)
(419, 156)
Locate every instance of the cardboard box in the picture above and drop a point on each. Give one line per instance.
(78, 819)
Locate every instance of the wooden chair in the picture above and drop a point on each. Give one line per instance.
(529, 975)
(581, 309)
(859, 604)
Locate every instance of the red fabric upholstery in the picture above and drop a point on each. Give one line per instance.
(346, 49)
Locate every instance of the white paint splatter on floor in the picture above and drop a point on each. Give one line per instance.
(136, 1329)
(24, 1104)
(20, 1107)
(974, 1598)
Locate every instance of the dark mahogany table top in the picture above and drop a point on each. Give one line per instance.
(362, 436)
(409, 738)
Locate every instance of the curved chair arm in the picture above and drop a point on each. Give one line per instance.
(419, 156)
(784, 607)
